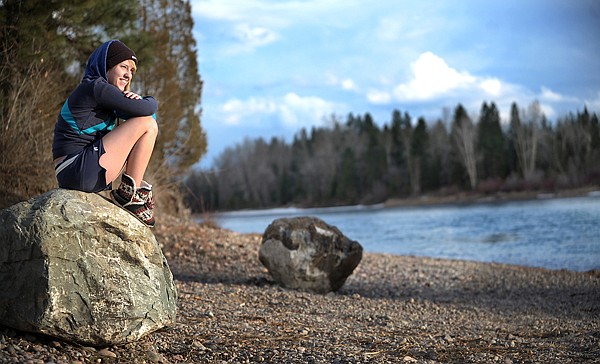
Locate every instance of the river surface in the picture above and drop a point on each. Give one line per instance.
(550, 233)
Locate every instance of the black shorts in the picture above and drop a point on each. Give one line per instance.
(82, 171)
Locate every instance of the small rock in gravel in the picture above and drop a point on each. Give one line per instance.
(155, 357)
(198, 345)
(107, 353)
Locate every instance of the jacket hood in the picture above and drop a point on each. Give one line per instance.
(96, 64)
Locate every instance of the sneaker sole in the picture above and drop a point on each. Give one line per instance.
(114, 200)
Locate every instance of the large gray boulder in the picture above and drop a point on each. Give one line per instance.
(306, 253)
(75, 266)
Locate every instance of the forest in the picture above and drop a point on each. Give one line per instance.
(354, 161)
(44, 46)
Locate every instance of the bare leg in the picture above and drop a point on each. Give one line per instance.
(131, 142)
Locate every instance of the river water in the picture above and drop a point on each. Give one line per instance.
(551, 233)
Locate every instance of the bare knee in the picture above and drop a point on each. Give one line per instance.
(152, 125)
(148, 123)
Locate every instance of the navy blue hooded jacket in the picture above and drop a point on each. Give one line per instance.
(91, 110)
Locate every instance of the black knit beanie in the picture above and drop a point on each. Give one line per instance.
(117, 53)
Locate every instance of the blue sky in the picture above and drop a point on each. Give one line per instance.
(273, 67)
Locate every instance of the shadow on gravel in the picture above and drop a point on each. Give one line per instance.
(486, 287)
(227, 279)
(558, 293)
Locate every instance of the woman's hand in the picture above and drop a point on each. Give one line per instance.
(132, 95)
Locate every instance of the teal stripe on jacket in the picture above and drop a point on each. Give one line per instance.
(66, 114)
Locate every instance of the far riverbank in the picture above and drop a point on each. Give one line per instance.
(472, 197)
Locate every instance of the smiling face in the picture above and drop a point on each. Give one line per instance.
(120, 75)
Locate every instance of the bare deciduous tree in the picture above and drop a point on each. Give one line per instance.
(26, 134)
(464, 136)
(525, 127)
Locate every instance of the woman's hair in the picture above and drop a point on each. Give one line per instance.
(133, 65)
(128, 88)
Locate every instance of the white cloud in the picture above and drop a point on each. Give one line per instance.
(300, 111)
(432, 81)
(492, 86)
(257, 11)
(550, 95)
(388, 30)
(349, 85)
(379, 97)
(293, 110)
(274, 13)
(432, 77)
(594, 104)
(398, 27)
(330, 79)
(236, 110)
(254, 36)
(213, 10)
(250, 38)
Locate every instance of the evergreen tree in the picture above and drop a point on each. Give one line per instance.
(170, 73)
(374, 161)
(396, 148)
(419, 156)
(400, 164)
(515, 119)
(591, 144)
(490, 143)
(300, 156)
(43, 51)
(439, 150)
(345, 189)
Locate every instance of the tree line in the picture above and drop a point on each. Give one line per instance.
(354, 161)
(44, 46)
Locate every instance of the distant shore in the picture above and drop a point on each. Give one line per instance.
(474, 198)
(462, 198)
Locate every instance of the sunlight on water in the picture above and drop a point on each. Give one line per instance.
(555, 234)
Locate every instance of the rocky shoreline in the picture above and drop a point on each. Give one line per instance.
(395, 309)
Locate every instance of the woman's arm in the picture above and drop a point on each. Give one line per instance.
(111, 98)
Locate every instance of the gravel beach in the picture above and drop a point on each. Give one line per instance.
(392, 309)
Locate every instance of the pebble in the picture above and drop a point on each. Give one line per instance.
(107, 353)
(198, 345)
(154, 356)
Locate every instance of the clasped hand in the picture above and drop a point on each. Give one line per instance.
(132, 95)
